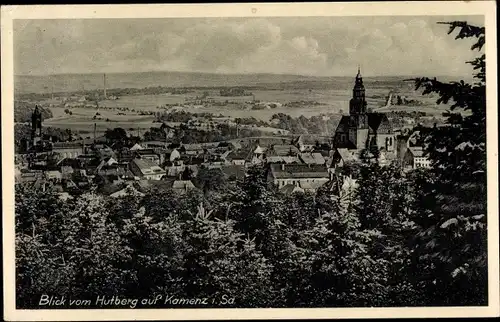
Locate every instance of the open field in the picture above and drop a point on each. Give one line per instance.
(329, 95)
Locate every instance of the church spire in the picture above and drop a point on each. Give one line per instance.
(358, 104)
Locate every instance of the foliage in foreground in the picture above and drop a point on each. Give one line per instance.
(394, 240)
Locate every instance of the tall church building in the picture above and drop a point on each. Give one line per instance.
(362, 130)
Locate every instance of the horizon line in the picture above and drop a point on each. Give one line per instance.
(228, 74)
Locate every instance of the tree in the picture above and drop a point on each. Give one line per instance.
(157, 255)
(210, 180)
(219, 261)
(451, 243)
(73, 249)
(336, 265)
(116, 135)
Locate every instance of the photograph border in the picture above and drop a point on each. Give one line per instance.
(423, 8)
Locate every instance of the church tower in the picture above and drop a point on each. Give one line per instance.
(36, 126)
(358, 118)
(357, 104)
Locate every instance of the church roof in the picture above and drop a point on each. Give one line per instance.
(378, 122)
(343, 124)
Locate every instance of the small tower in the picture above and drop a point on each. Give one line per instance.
(36, 126)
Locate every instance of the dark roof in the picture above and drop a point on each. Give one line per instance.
(234, 171)
(109, 188)
(282, 171)
(67, 145)
(75, 163)
(30, 176)
(145, 185)
(193, 146)
(312, 158)
(283, 150)
(311, 139)
(188, 160)
(145, 151)
(112, 170)
(238, 155)
(377, 122)
(343, 124)
(154, 143)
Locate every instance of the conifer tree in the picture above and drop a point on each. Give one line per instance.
(451, 245)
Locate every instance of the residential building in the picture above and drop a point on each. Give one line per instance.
(282, 150)
(308, 142)
(192, 149)
(235, 157)
(341, 156)
(53, 175)
(282, 159)
(127, 190)
(148, 154)
(415, 158)
(182, 186)
(67, 149)
(174, 155)
(306, 176)
(136, 147)
(312, 158)
(146, 169)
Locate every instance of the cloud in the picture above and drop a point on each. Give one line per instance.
(298, 45)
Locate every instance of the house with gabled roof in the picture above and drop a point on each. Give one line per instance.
(309, 142)
(312, 158)
(282, 150)
(182, 186)
(341, 156)
(415, 158)
(136, 147)
(308, 176)
(148, 154)
(235, 157)
(146, 169)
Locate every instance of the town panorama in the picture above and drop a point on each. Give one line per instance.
(250, 163)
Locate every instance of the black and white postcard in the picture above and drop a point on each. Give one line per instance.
(250, 161)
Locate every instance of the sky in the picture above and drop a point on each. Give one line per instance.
(316, 46)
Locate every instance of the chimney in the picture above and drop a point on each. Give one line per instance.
(104, 81)
(282, 167)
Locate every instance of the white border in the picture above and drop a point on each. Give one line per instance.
(486, 8)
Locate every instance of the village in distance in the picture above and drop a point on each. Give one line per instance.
(77, 139)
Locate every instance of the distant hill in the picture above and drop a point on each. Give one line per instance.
(78, 82)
